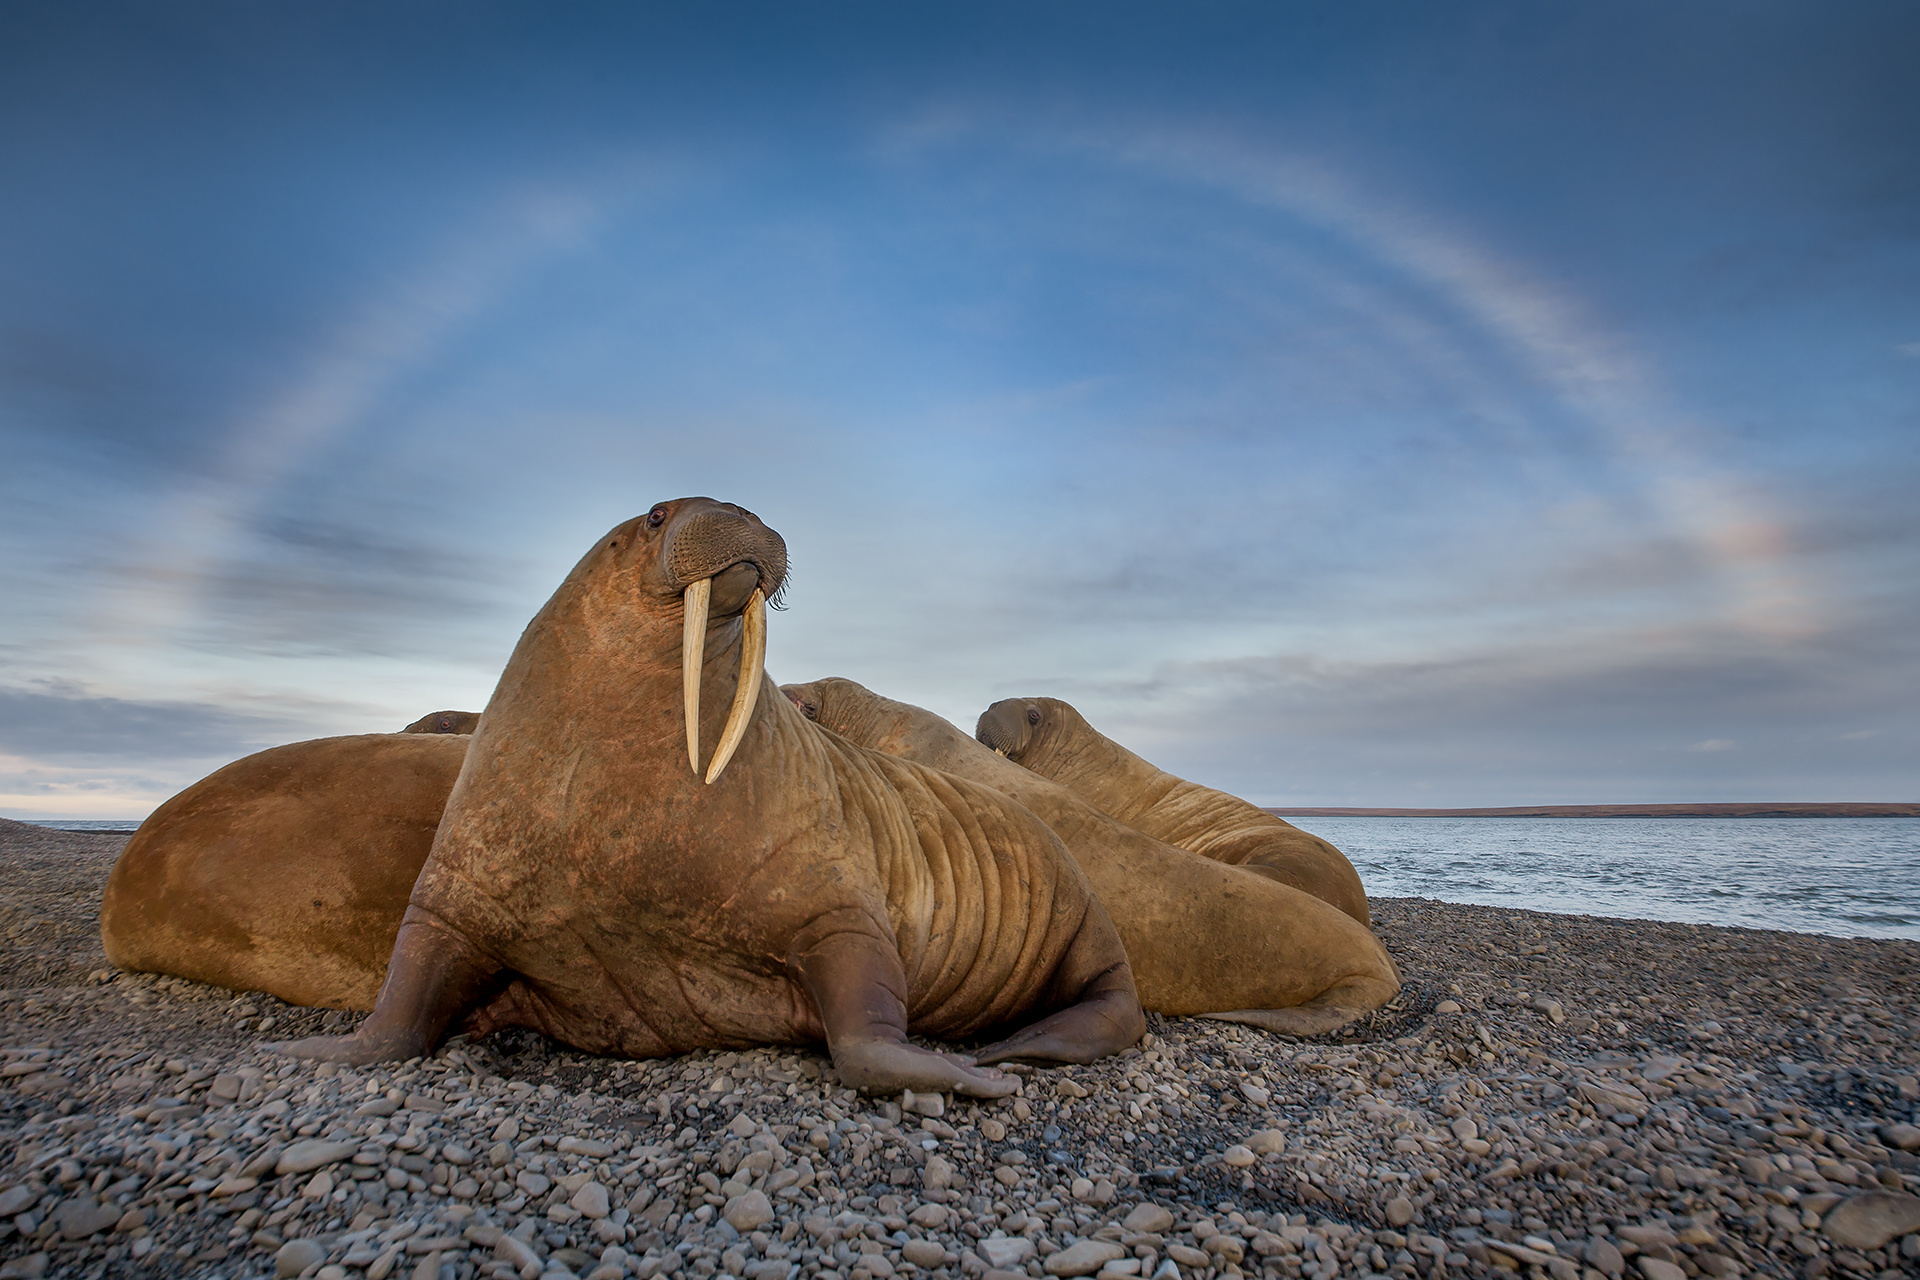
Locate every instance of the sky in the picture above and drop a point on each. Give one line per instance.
(1341, 404)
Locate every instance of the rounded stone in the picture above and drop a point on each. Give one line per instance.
(296, 1256)
(1659, 1269)
(1869, 1220)
(1238, 1157)
(1267, 1141)
(591, 1201)
(1400, 1211)
(746, 1212)
(927, 1254)
(1083, 1258)
(1148, 1218)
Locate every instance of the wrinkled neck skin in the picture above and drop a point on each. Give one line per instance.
(901, 729)
(618, 671)
(1071, 752)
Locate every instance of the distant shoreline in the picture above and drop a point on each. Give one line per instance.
(1737, 810)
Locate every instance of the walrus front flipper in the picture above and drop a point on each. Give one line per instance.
(859, 990)
(435, 975)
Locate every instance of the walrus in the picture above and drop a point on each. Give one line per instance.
(1049, 737)
(445, 722)
(1204, 937)
(285, 872)
(590, 878)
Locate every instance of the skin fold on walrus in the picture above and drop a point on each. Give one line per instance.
(285, 872)
(594, 879)
(1204, 938)
(1055, 741)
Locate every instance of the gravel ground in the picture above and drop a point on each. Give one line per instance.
(1561, 1096)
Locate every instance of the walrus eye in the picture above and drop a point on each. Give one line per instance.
(1033, 715)
(656, 517)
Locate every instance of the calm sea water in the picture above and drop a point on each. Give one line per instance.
(85, 824)
(1849, 877)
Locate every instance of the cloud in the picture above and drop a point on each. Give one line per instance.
(63, 724)
(347, 379)
(1590, 720)
(311, 584)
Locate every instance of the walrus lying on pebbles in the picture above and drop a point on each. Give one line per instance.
(1203, 937)
(285, 872)
(445, 722)
(1055, 741)
(586, 881)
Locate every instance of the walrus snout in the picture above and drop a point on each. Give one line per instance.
(711, 537)
(725, 562)
(1007, 725)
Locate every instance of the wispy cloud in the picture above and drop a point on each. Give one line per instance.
(204, 525)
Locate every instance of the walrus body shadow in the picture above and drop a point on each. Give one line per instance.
(587, 881)
(1204, 937)
(1055, 741)
(287, 871)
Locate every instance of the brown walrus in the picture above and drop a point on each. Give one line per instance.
(285, 872)
(586, 881)
(445, 722)
(1055, 741)
(1203, 937)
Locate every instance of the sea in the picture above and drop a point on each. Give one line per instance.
(1846, 877)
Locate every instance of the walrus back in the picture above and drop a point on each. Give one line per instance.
(285, 872)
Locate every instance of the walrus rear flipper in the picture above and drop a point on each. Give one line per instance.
(1105, 1019)
(1330, 1010)
(1099, 1005)
(858, 989)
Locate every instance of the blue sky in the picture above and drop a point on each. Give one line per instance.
(1362, 404)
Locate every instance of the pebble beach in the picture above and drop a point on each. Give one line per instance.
(1557, 1096)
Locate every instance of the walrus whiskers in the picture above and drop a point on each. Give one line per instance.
(693, 650)
(753, 658)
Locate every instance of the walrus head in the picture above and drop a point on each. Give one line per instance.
(721, 562)
(445, 722)
(1012, 726)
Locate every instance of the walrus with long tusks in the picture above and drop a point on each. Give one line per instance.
(1203, 937)
(593, 878)
(1049, 737)
(285, 872)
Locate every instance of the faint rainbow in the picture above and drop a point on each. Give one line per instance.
(345, 382)
(1710, 507)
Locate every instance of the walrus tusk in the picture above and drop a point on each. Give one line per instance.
(693, 652)
(753, 660)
